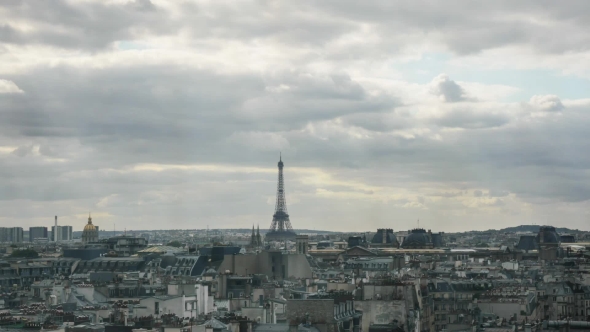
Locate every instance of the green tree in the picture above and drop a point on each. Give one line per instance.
(176, 244)
(25, 253)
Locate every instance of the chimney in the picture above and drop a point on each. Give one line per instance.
(55, 230)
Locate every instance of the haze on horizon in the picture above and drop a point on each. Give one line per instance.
(171, 114)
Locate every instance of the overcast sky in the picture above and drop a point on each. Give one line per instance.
(171, 114)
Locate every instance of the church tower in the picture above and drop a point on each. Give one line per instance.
(258, 237)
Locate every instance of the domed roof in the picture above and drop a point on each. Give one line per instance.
(417, 238)
(548, 234)
(378, 237)
(90, 232)
(384, 236)
(89, 226)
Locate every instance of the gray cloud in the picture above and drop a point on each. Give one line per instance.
(476, 26)
(72, 132)
(24, 150)
(462, 28)
(447, 194)
(75, 25)
(498, 193)
(470, 119)
(129, 124)
(446, 89)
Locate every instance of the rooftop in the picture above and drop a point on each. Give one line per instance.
(160, 249)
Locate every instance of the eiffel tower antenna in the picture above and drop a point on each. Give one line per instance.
(280, 229)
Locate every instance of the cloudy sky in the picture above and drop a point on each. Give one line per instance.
(172, 114)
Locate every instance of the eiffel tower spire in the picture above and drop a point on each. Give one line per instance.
(280, 229)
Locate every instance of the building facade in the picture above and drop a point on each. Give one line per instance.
(66, 233)
(62, 233)
(11, 234)
(37, 233)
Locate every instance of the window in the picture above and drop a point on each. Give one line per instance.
(156, 308)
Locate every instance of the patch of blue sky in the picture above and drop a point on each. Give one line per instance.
(530, 82)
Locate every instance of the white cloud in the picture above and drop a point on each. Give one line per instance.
(546, 103)
(7, 86)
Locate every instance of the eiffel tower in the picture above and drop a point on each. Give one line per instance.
(280, 229)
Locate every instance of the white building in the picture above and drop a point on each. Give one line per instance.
(181, 305)
(510, 266)
(204, 300)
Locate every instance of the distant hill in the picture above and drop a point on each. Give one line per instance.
(535, 229)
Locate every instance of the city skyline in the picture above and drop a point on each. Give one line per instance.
(156, 114)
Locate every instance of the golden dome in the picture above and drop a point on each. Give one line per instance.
(90, 233)
(89, 226)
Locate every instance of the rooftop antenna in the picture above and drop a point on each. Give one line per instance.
(418, 223)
